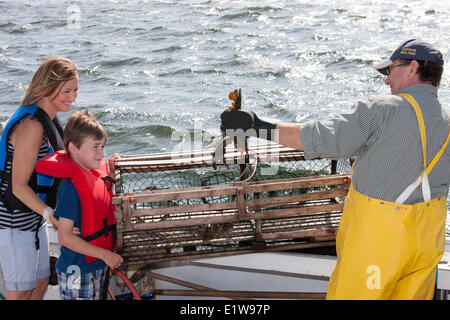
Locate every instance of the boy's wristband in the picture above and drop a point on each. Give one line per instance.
(47, 213)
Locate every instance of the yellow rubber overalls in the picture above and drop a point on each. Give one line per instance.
(390, 250)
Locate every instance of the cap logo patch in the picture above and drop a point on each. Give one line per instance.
(408, 51)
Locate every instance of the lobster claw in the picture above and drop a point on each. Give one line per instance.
(236, 97)
(218, 156)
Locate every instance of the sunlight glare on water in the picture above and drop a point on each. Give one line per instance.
(151, 70)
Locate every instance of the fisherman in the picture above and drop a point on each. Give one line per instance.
(392, 232)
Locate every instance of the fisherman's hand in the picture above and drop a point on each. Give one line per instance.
(236, 119)
(245, 120)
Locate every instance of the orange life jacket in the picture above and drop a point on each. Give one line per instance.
(98, 224)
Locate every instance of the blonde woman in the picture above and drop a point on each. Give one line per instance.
(27, 198)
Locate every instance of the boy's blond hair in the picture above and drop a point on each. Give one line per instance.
(81, 125)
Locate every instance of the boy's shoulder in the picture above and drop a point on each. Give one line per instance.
(68, 201)
(66, 185)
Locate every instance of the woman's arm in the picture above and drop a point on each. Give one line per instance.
(27, 140)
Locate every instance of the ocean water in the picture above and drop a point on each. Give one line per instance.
(154, 71)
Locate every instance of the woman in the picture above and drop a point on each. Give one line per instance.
(26, 198)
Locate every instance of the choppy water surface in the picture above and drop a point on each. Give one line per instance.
(152, 71)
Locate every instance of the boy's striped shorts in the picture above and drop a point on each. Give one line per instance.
(81, 286)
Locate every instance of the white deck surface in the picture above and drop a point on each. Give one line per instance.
(270, 271)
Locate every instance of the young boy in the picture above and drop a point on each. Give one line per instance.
(84, 201)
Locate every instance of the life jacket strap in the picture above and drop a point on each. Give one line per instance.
(6, 203)
(103, 232)
(36, 234)
(3, 175)
(109, 182)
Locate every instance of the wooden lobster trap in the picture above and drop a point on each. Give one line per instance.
(177, 206)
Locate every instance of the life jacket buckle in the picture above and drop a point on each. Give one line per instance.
(109, 182)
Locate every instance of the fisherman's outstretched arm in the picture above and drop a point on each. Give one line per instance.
(289, 135)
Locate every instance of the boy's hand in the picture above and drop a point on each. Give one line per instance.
(113, 260)
(115, 156)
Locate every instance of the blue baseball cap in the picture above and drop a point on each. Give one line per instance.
(413, 49)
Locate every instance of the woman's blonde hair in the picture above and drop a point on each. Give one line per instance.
(50, 74)
(80, 126)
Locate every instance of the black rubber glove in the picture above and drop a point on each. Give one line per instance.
(245, 120)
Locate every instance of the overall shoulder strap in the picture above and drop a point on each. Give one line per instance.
(423, 178)
(423, 135)
(439, 154)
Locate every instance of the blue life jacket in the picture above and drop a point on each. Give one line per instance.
(45, 186)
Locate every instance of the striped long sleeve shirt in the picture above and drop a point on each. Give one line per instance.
(382, 133)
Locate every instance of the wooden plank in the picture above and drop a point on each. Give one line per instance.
(272, 148)
(230, 189)
(118, 214)
(184, 222)
(241, 201)
(167, 162)
(289, 184)
(119, 242)
(163, 156)
(182, 159)
(292, 212)
(323, 178)
(137, 169)
(189, 163)
(178, 194)
(300, 234)
(187, 284)
(201, 158)
(284, 200)
(242, 294)
(224, 252)
(127, 226)
(286, 247)
(214, 219)
(185, 209)
(143, 166)
(324, 237)
(252, 204)
(118, 199)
